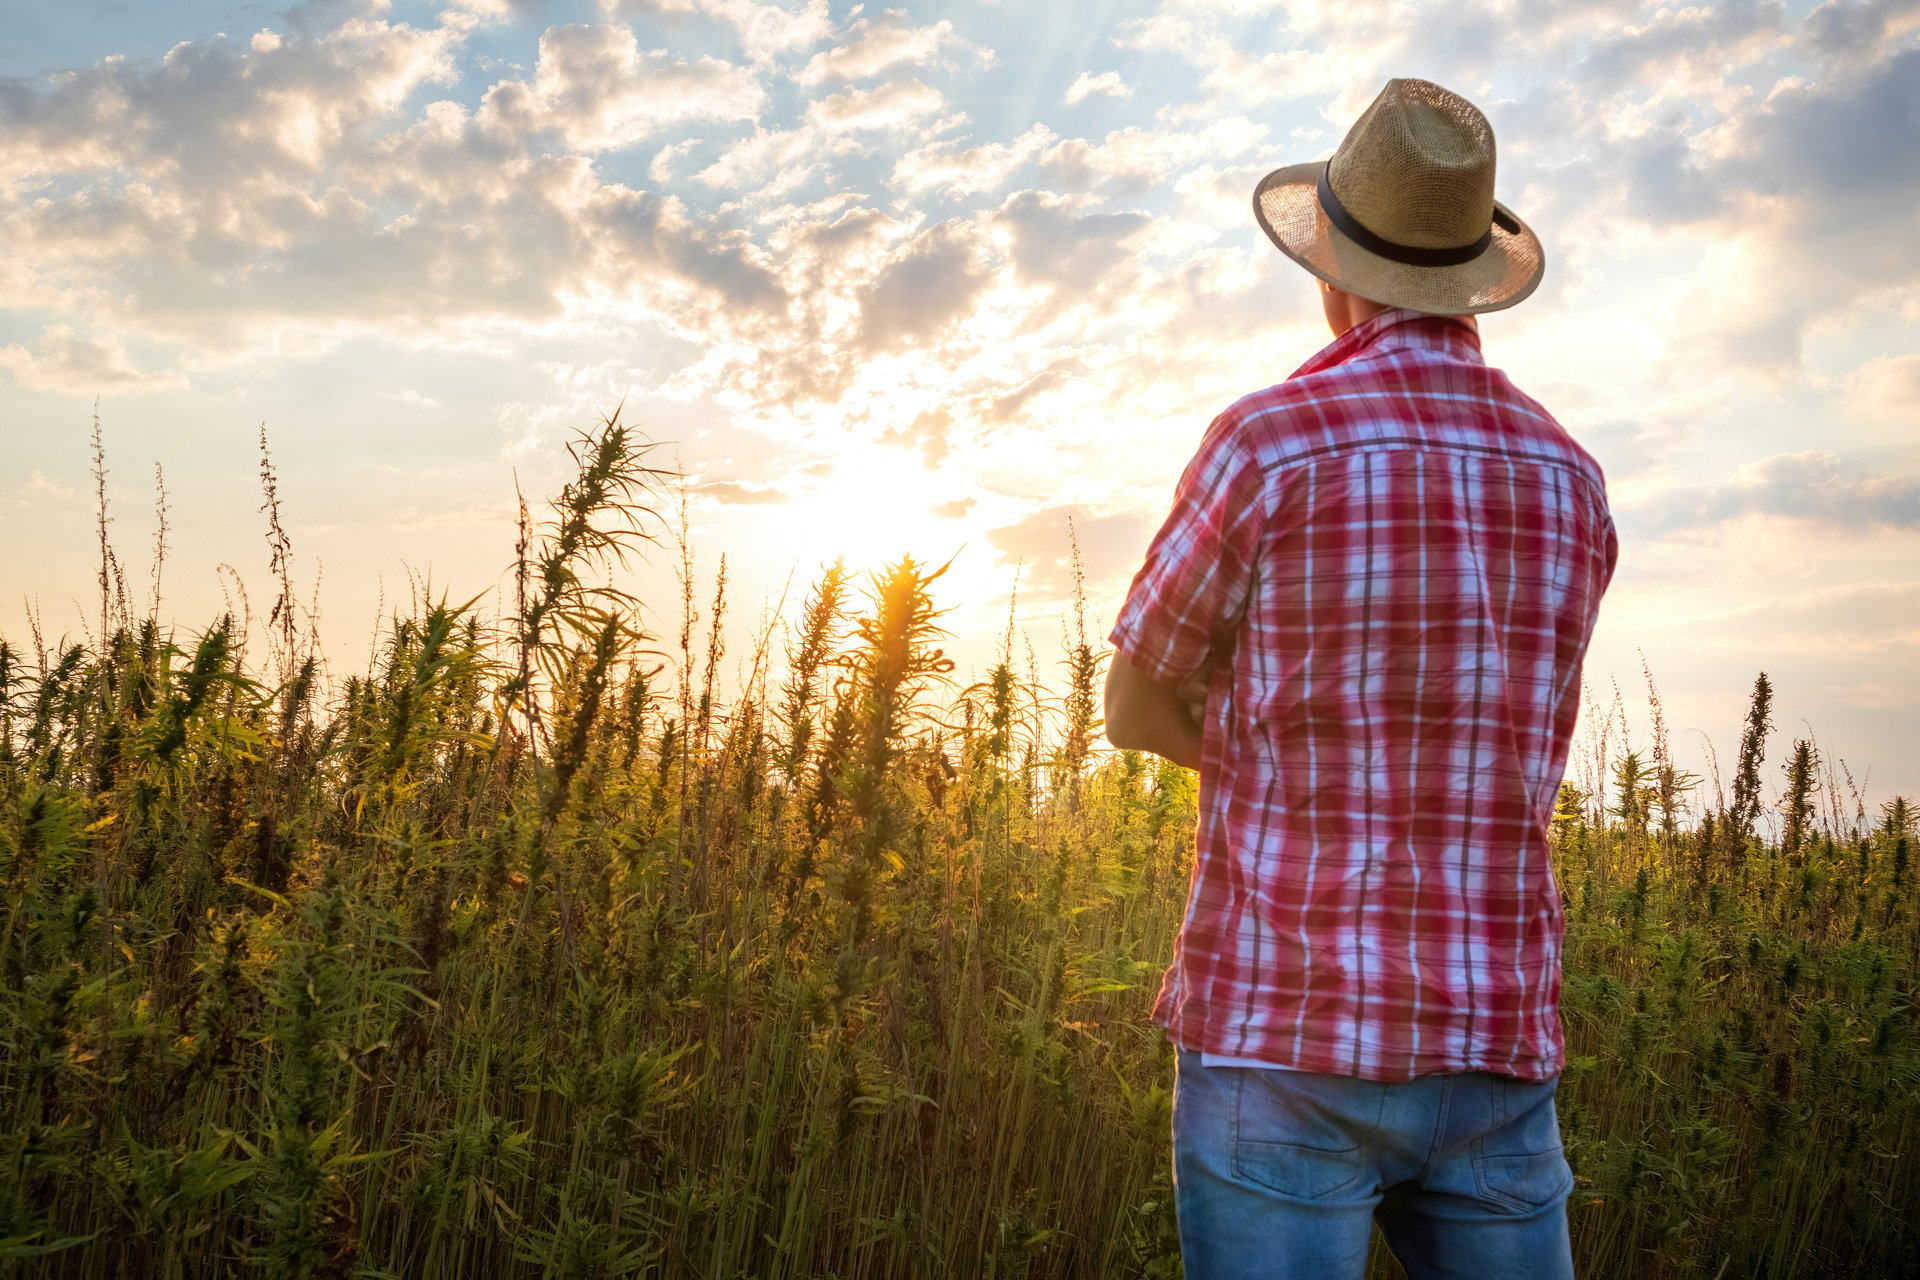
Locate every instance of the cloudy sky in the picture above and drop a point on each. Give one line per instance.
(935, 279)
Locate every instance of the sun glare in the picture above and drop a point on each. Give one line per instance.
(874, 506)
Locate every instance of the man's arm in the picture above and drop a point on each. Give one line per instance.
(1145, 715)
(1193, 587)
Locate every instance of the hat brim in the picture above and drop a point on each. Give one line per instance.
(1286, 204)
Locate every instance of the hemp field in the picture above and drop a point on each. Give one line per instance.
(514, 955)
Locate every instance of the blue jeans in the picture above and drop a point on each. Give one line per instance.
(1281, 1174)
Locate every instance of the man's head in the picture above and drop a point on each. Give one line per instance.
(1403, 215)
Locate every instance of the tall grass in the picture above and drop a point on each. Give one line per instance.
(518, 955)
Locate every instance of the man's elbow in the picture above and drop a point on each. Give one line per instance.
(1113, 713)
(1125, 725)
(1124, 735)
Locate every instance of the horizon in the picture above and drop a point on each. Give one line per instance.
(954, 273)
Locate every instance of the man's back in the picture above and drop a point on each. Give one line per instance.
(1387, 568)
(1391, 563)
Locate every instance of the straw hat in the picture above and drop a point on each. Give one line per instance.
(1404, 213)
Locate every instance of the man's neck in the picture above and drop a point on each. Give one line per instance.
(1375, 309)
(1345, 310)
(1356, 310)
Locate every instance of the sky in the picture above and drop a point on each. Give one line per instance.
(940, 279)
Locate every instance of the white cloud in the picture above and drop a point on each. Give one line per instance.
(1087, 84)
(238, 199)
(596, 86)
(931, 283)
(763, 30)
(1136, 158)
(873, 46)
(1684, 53)
(734, 494)
(1860, 618)
(614, 9)
(1812, 486)
(1888, 387)
(1133, 159)
(776, 160)
(896, 104)
(1058, 243)
(953, 170)
(466, 14)
(1110, 544)
(78, 366)
(766, 30)
(38, 487)
(1845, 33)
(227, 115)
(409, 396)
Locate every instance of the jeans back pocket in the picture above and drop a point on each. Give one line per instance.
(1302, 1173)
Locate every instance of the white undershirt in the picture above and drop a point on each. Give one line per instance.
(1225, 1060)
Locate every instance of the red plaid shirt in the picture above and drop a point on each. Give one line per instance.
(1390, 564)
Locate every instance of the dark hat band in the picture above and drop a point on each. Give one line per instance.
(1411, 255)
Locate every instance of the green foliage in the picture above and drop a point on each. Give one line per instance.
(482, 963)
(1746, 779)
(1741, 1089)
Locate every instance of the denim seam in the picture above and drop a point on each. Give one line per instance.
(1233, 1126)
(1439, 1123)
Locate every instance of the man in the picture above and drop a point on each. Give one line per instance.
(1384, 573)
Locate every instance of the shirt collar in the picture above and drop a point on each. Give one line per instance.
(1395, 329)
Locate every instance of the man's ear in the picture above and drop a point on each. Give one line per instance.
(1334, 304)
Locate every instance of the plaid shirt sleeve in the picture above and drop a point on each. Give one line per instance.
(1189, 595)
